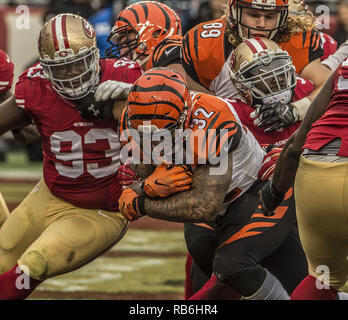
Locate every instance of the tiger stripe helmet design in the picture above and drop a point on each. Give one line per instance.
(159, 99)
(150, 21)
(67, 42)
(262, 72)
(236, 7)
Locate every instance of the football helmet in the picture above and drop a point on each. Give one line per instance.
(235, 11)
(159, 103)
(262, 72)
(69, 55)
(150, 22)
(297, 7)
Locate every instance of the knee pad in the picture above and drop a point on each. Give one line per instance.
(245, 279)
(35, 263)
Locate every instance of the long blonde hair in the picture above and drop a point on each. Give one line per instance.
(293, 25)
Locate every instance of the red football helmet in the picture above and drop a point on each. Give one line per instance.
(236, 7)
(140, 27)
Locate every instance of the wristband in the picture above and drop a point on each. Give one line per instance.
(301, 106)
(140, 205)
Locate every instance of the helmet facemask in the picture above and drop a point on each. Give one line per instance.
(236, 12)
(268, 79)
(83, 67)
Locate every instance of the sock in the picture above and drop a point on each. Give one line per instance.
(10, 280)
(307, 290)
(215, 290)
(342, 296)
(271, 289)
(188, 281)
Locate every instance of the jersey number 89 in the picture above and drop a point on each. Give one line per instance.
(211, 30)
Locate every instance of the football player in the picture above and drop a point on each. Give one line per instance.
(70, 217)
(140, 28)
(262, 74)
(299, 8)
(208, 46)
(314, 160)
(223, 201)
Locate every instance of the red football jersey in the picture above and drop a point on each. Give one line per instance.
(329, 45)
(334, 123)
(81, 156)
(303, 88)
(6, 72)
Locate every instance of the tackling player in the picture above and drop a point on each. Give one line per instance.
(70, 217)
(224, 201)
(314, 160)
(208, 46)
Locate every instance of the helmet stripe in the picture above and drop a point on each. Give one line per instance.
(65, 36)
(145, 8)
(54, 34)
(160, 88)
(166, 16)
(254, 45)
(135, 14)
(59, 32)
(152, 103)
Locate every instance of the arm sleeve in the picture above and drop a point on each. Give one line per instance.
(333, 61)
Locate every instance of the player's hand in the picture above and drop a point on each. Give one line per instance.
(89, 108)
(126, 175)
(113, 90)
(270, 199)
(167, 180)
(268, 164)
(274, 116)
(131, 205)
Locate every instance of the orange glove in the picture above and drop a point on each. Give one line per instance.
(131, 205)
(167, 180)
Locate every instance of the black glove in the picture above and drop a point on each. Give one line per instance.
(270, 199)
(274, 116)
(89, 108)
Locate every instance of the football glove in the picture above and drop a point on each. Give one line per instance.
(268, 164)
(114, 90)
(90, 108)
(167, 180)
(126, 175)
(274, 116)
(131, 205)
(270, 199)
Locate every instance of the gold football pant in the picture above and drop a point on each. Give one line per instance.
(321, 195)
(50, 236)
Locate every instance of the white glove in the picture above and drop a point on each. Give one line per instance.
(111, 89)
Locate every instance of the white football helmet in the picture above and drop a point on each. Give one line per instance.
(262, 72)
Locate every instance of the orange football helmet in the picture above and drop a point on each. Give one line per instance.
(158, 104)
(150, 22)
(262, 72)
(69, 55)
(235, 11)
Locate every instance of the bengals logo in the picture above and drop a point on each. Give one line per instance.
(88, 29)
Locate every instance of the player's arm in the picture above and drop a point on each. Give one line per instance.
(285, 171)
(5, 95)
(12, 116)
(26, 135)
(200, 203)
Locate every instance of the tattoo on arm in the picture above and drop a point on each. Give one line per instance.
(201, 203)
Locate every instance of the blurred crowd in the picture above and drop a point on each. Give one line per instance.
(102, 13)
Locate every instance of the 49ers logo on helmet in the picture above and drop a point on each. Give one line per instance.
(89, 31)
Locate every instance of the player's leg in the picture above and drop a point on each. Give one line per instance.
(288, 263)
(237, 260)
(76, 238)
(20, 230)
(4, 212)
(321, 189)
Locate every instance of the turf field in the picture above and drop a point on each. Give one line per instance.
(148, 263)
